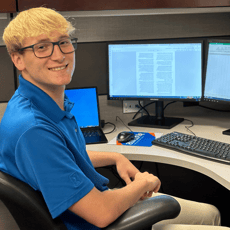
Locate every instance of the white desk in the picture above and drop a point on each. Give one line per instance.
(218, 171)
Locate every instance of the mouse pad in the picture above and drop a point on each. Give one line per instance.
(141, 139)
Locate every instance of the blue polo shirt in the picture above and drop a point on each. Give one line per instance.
(43, 146)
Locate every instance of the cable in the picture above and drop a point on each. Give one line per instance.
(168, 104)
(143, 107)
(188, 127)
(124, 123)
(114, 127)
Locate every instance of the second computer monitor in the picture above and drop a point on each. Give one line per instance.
(217, 74)
(217, 77)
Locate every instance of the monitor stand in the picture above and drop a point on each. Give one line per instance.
(158, 121)
(226, 132)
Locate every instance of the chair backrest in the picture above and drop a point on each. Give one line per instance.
(26, 205)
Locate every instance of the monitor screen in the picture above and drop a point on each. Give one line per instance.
(85, 107)
(153, 71)
(217, 80)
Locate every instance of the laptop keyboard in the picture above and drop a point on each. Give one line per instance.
(92, 133)
(94, 136)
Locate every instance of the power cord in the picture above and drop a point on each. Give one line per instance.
(169, 104)
(124, 123)
(114, 127)
(188, 127)
(143, 108)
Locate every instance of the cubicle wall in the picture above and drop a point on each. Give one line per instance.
(7, 82)
(149, 24)
(7, 86)
(91, 66)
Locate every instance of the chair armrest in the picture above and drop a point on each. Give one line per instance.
(146, 213)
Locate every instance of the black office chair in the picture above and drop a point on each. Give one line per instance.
(29, 210)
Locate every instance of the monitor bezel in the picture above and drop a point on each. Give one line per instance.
(215, 40)
(165, 41)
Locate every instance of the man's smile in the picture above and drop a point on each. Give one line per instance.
(58, 68)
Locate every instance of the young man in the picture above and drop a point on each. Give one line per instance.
(41, 143)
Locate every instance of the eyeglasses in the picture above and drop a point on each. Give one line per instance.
(45, 49)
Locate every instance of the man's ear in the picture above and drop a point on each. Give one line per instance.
(18, 61)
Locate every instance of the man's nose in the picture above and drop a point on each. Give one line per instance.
(57, 53)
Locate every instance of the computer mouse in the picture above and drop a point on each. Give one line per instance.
(125, 136)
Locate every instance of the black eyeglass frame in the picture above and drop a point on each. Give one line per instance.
(54, 43)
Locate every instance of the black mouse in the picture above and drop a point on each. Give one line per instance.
(124, 137)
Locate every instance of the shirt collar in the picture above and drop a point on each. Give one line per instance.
(44, 102)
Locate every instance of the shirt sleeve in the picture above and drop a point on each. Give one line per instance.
(44, 160)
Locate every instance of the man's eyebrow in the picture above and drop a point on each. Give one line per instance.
(44, 40)
(64, 36)
(48, 40)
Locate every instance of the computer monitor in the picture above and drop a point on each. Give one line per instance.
(217, 80)
(157, 72)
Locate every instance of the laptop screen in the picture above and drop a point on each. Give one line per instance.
(85, 108)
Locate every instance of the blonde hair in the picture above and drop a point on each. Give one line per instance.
(32, 23)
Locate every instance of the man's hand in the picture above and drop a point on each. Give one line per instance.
(126, 169)
(153, 183)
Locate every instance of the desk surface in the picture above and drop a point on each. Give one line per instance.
(218, 171)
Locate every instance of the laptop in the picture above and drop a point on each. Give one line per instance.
(86, 112)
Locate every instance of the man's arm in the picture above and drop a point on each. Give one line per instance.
(101, 159)
(125, 168)
(102, 208)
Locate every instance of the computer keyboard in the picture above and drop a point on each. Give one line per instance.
(196, 146)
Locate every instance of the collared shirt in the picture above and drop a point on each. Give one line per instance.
(43, 146)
